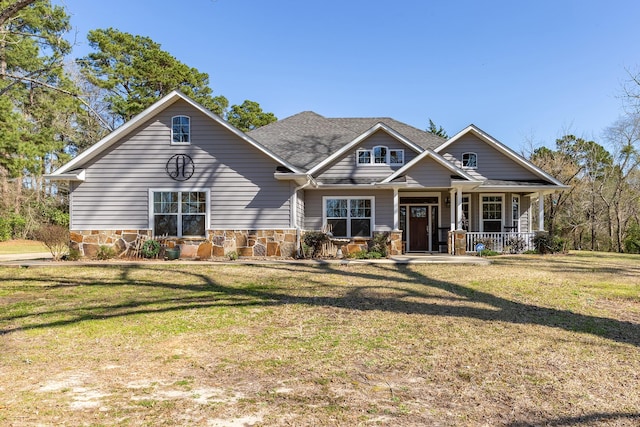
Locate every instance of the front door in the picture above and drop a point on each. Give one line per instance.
(419, 228)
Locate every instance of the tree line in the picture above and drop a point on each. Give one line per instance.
(53, 106)
(601, 210)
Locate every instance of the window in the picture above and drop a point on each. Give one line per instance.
(469, 160)
(515, 213)
(380, 155)
(465, 212)
(396, 157)
(179, 213)
(491, 213)
(349, 217)
(180, 130)
(364, 157)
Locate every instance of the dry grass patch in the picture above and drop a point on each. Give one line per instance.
(525, 341)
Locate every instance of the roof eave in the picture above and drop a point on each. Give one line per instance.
(78, 175)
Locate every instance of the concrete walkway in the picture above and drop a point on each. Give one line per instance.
(44, 260)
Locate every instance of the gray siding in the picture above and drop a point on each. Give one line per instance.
(347, 167)
(492, 164)
(428, 173)
(383, 207)
(244, 193)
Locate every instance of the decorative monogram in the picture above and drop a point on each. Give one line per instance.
(180, 167)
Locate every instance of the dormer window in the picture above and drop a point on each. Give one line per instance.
(364, 157)
(380, 155)
(469, 160)
(180, 130)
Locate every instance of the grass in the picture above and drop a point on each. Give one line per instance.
(22, 247)
(525, 341)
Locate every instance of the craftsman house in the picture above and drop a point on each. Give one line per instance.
(179, 171)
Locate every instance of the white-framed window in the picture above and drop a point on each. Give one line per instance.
(180, 130)
(466, 211)
(469, 160)
(348, 216)
(179, 213)
(364, 157)
(396, 157)
(491, 212)
(515, 212)
(380, 155)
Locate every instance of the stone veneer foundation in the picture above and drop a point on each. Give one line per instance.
(218, 243)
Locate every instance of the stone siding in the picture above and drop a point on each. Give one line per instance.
(218, 243)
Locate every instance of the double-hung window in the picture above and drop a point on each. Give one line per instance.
(180, 130)
(349, 216)
(179, 213)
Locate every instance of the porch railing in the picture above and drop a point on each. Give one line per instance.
(507, 242)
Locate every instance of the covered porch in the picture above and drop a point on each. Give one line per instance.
(502, 220)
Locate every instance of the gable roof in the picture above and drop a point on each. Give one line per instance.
(439, 159)
(308, 139)
(157, 107)
(482, 135)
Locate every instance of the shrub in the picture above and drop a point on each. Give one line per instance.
(548, 244)
(365, 255)
(56, 238)
(105, 252)
(12, 227)
(379, 243)
(515, 244)
(5, 230)
(315, 240)
(150, 249)
(632, 241)
(233, 255)
(73, 255)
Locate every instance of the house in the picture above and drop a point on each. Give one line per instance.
(179, 171)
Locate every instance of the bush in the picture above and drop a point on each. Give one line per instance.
(548, 244)
(12, 227)
(233, 255)
(56, 238)
(315, 240)
(515, 244)
(73, 255)
(632, 241)
(365, 255)
(379, 243)
(150, 249)
(105, 252)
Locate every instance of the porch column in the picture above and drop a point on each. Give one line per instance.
(541, 211)
(396, 210)
(459, 210)
(452, 206)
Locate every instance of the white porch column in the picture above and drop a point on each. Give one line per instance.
(452, 206)
(396, 210)
(541, 211)
(459, 210)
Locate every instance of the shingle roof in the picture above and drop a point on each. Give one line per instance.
(307, 138)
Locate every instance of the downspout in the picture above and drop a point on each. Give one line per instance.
(295, 213)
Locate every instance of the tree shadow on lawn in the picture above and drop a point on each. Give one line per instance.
(590, 419)
(436, 298)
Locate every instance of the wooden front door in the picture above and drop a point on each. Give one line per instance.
(418, 228)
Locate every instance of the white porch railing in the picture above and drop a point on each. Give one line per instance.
(508, 242)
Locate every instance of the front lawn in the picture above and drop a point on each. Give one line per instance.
(528, 340)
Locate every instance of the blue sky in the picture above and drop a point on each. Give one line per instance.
(525, 72)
